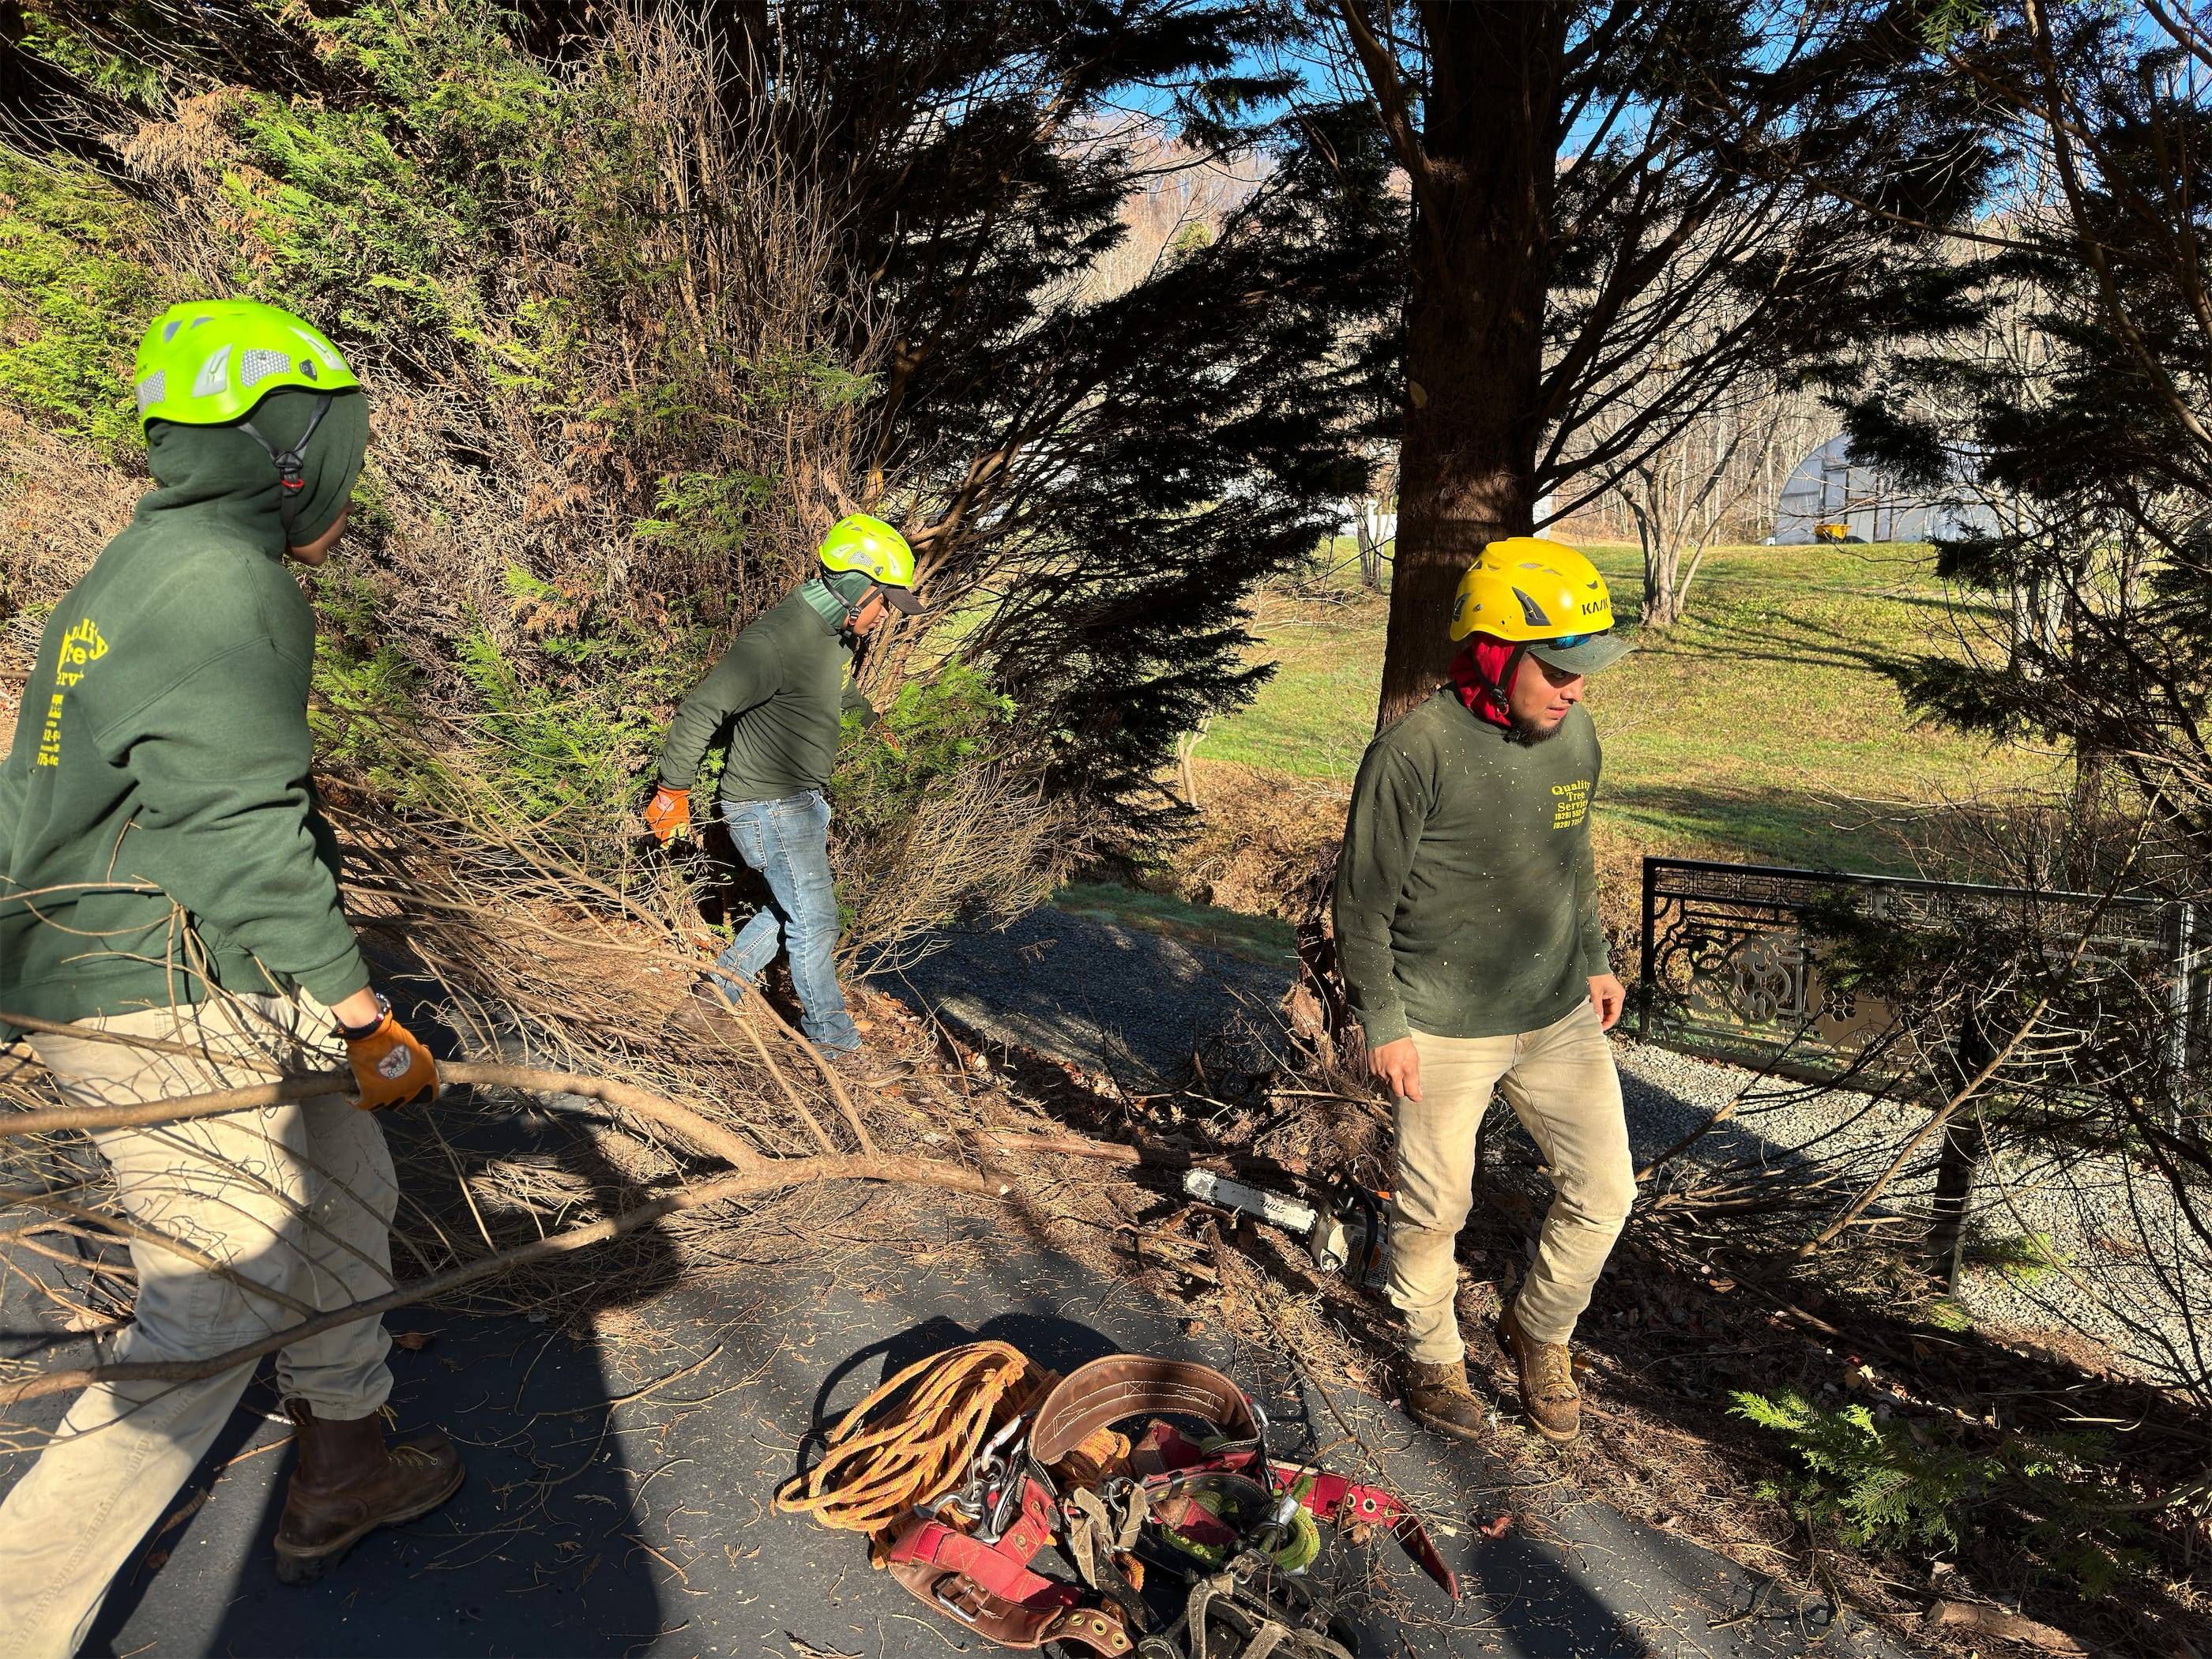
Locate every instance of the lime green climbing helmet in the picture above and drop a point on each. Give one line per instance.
(871, 547)
(208, 362)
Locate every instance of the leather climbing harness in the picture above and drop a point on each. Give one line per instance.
(966, 1468)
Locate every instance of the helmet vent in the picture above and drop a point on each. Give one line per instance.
(213, 373)
(170, 333)
(153, 389)
(259, 363)
(319, 349)
(1531, 610)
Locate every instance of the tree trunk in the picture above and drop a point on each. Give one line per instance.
(1371, 549)
(1662, 554)
(1481, 266)
(1961, 1156)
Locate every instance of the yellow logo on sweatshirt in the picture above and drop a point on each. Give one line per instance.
(81, 646)
(1570, 803)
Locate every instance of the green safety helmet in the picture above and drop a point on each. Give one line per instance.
(874, 549)
(210, 362)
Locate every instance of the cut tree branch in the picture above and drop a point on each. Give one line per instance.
(698, 1132)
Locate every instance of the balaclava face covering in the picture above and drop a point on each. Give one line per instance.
(222, 470)
(1479, 666)
(834, 594)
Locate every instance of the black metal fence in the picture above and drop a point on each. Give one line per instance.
(1732, 970)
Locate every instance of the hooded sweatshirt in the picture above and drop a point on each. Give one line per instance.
(158, 829)
(1466, 898)
(779, 693)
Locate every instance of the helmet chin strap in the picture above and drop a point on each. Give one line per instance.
(1500, 690)
(291, 463)
(846, 628)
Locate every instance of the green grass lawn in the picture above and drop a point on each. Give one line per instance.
(1761, 728)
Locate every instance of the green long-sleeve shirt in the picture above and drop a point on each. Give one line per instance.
(1466, 899)
(781, 690)
(158, 829)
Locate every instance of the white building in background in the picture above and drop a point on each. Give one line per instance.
(1828, 488)
(1375, 521)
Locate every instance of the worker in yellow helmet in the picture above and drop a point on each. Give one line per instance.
(778, 697)
(1466, 922)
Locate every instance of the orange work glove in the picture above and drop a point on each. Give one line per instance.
(390, 1064)
(668, 814)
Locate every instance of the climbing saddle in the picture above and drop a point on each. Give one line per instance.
(1094, 1472)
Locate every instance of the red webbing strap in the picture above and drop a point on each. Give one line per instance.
(1344, 1503)
(1002, 1568)
(991, 1587)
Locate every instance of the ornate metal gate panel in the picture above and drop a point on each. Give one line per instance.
(1732, 971)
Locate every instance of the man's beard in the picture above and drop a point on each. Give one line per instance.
(1528, 733)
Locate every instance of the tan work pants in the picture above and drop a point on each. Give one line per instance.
(294, 1202)
(1562, 1084)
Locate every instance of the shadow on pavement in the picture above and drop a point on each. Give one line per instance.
(597, 1520)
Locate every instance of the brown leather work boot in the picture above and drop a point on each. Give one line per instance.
(704, 1014)
(1546, 1373)
(1437, 1397)
(348, 1482)
(871, 1068)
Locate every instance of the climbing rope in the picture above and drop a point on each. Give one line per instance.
(912, 1440)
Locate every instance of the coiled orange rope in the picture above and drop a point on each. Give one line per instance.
(910, 1440)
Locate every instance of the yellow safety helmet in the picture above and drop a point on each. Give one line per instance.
(1544, 595)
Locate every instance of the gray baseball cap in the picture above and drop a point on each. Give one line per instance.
(1581, 653)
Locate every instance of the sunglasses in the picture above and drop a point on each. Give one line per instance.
(1568, 641)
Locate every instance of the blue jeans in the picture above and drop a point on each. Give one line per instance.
(787, 841)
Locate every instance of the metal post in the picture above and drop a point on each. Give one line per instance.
(1647, 979)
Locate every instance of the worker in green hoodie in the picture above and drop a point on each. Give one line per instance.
(778, 698)
(170, 925)
(1467, 922)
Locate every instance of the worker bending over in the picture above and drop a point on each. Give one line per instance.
(164, 874)
(779, 696)
(1467, 922)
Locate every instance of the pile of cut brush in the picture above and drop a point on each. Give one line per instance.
(585, 1151)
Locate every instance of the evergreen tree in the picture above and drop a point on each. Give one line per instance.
(2074, 398)
(2081, 396)
(1102, 478)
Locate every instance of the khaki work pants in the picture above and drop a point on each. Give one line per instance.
(295, 1202)
(1561, 1082)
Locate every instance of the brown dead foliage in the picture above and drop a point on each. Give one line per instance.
(59, 507)
(1261, 838)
